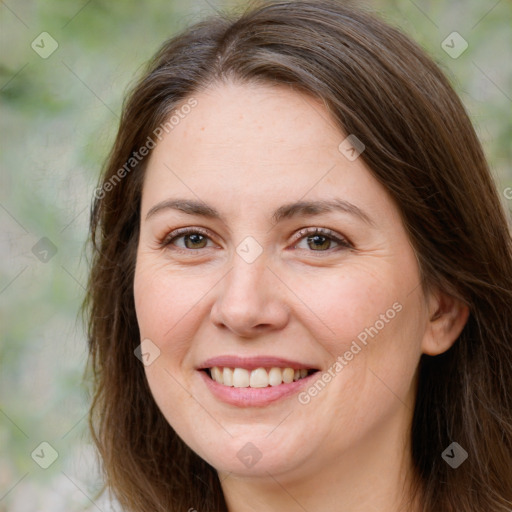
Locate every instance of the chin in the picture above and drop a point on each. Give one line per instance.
(251, 454)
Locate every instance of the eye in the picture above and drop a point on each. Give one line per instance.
(191, 238)
(320, 239)
(187, 240)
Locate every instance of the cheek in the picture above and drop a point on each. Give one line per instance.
(164, 301)
(370, 326)
(376, 305)
(343, 307)
(164, 305)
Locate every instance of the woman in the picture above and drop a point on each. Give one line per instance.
(301, 293)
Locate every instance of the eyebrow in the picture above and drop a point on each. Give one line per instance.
(287, 211)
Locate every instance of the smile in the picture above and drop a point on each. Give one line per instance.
(256, 378)
(254, 381)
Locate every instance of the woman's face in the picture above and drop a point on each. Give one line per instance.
(252, 172)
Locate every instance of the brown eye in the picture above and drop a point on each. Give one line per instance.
(320, 240)
(194, 241)
(186, 239)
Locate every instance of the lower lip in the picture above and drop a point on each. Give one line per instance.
(253, 397)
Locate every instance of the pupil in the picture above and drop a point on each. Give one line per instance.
(316, 239)
(194, 239)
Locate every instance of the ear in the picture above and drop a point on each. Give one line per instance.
(447, 318)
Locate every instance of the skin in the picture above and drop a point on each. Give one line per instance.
(247, 150)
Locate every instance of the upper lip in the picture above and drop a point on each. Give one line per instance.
(251, 363)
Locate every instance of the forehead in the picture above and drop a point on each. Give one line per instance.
(244, 125)
(268, 114)
(255, 144)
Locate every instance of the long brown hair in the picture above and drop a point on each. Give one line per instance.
(420, 144)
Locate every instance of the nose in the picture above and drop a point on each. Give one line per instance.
(250, 300)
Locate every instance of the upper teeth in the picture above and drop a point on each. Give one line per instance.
(258, 378)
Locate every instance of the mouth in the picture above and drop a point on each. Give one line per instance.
(254, 381)
(261, 377)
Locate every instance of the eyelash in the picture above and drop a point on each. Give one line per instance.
(181, 232)
(329, 234)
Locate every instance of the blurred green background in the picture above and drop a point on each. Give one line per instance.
(59, 113)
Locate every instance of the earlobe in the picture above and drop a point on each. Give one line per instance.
(447, 318)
